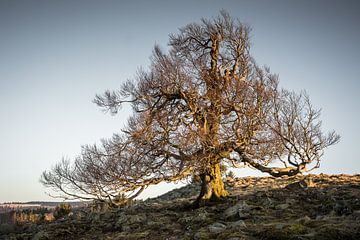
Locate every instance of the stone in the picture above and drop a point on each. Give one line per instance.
(124, 222)
(231, 212)
(94, 217)
(121, 220)
(342, 208)
(136, 219)
(244, 215)
(185, 220)
(201, 235)
(290, 201)
(282, 206)
(280, 226)
(201, 216)
(42, 235)
(125, 228)
(217, 227)
(239, 210)
(131, 219)
(303, 220)
(356, 214)
(237, 224)
(107, 216)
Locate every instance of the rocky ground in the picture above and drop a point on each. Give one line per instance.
(311, 207)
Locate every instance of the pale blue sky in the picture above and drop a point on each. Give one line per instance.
(56, 55)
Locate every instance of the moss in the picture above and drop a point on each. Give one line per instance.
(6, 228)
(228, 235)
(288, 232)
(296, 229)
(338, 232)
(138, 235)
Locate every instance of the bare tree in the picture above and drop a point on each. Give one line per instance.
(203, 103)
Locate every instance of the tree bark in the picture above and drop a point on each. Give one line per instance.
(212, 186)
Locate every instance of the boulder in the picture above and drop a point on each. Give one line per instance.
(217, 227)
(238, 211)
(238, 224)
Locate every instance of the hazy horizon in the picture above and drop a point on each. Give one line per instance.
(56, 55)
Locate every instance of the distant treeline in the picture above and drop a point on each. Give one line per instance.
(26, 215)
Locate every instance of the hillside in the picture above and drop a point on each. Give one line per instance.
(315, 207)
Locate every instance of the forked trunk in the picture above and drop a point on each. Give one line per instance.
(212, 186)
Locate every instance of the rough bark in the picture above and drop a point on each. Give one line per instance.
(212, 186)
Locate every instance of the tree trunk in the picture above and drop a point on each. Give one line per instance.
(212, 186)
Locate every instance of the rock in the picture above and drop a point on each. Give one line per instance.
(202, 234)
(132, 219)
(282, 206)
(356, 214)
(93, 217)
(42, 235)
(106, 216)
(154, 224)
(121, 220)
(244, 215)
(109, 226)
(329, 217)
(237, 224)
(125, 221)
(184, 220)
(239, 210)
(342, 208)
(201, 216)
(136, 219)
(290, 201)
(125, 228)
(303, 220)
(217, 227)
(280, 226)
(231, 212)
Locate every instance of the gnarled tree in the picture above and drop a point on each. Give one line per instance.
(202, 103)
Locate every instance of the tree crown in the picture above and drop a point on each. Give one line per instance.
(202, 103)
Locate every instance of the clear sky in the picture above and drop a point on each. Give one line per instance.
(56, 55)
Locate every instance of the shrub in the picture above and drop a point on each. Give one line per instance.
(62, 210)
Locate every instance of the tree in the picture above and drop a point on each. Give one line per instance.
(204, 103)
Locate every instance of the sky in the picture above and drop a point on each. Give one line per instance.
(56, 55)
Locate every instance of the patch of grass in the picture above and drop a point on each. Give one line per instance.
(296, 229)
(338, 233)
(287, 232)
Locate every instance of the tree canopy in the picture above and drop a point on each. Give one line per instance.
(203, 103)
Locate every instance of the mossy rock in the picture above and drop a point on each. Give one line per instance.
(202, 234)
